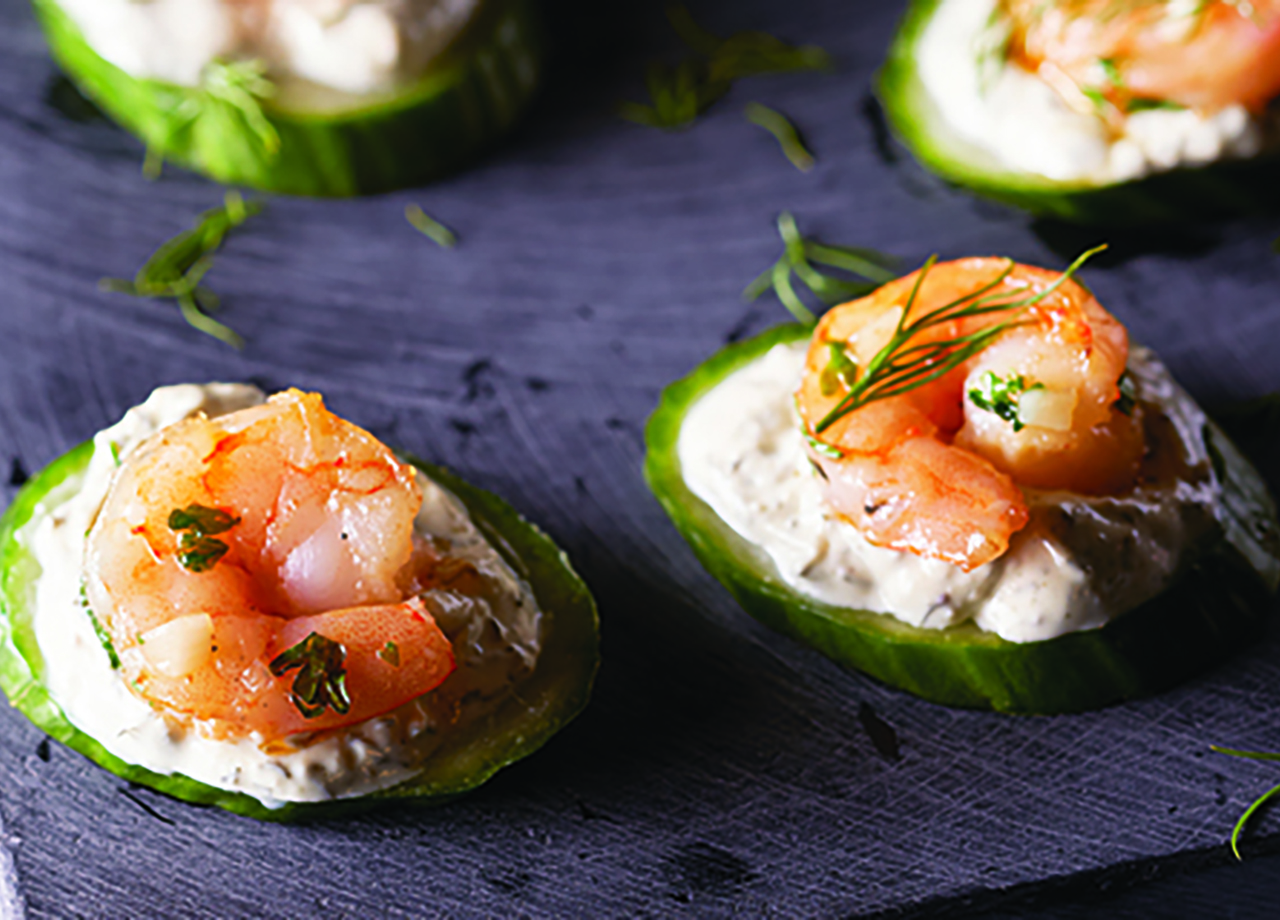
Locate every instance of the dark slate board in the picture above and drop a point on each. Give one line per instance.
(720, 770)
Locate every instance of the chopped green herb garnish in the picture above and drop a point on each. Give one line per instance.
(390, 653)
(104, 638)
(799, 258)
(679, 94)
(841, 370)
(231, 90)
(1000, 396)
(198, 551)
(322, 679)
(784, 131)
(1257, 803)
(115, 452)
(176, 269)
(1128, 397)
(429, 227)
(906, 363)
(827, 450)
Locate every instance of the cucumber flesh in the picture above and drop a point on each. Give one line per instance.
(1218, 603)
(540, 705)
(331, 144)
(1230, 188)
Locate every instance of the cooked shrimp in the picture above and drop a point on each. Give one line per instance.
(252, 573)
(929, 470)
(1203, 55)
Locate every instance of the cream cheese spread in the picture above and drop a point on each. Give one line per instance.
(355, 46)
(1080, 562)
(496, 639)
(1026, 124)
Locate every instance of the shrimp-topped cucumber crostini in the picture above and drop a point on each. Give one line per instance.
(970, 485)
(255, 603)
(1066, 107)
(340, 97)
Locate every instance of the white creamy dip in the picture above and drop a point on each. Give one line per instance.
(1080, 561)
(1025, 123)
(356, 46)
(496, 641)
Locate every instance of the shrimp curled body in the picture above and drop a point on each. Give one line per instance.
(1205, 57)
(929, 470)
(307, 528)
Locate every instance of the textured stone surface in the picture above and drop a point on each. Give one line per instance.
(720, 770)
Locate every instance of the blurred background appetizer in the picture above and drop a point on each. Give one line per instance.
(1065, 107)
(310, 97)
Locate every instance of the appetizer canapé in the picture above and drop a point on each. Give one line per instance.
(1064, 107)
(257, 604)
(314, 98)
(969, 485)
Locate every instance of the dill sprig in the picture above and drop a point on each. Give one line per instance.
(228, 89)
(784, 132)
(178, 267)
(429, 227)
(799, 258)
(905, 362)
(1257, 803)
(679, 94)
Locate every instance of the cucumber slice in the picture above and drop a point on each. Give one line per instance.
(331, 144)
(1227, 189)
(1218, 603)
(545, 701)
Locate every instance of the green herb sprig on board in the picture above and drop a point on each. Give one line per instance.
(799, 258)
(680, 93)
(784, 132)
(1257, 803)
(905, 362)
(429, 227)
(178, 267)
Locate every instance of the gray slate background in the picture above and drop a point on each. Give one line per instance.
(720, 770)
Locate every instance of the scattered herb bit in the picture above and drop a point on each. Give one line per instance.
(827, 450)
(784, 131)
(1257, 803)
(228, 90)
(799, 257)
(198, 551)
(104, 638)
(429, 227)
(841, 370)
(1128, 397)
(1001, 396)
(322, 680)
(679, 94)
(177, 268)
(904, 363)
(390, 653)
(115, 452)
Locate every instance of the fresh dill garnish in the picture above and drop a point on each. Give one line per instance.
(905, 363)
(829, 451)
(679, 94)
(104, 638)
(228, 90)
(429, 227)
(799, 257)
(176, 269)
(322, 678)
(1001, 396)
(784, 132)
(198, 550)
(390, 653)
(1128, 397)
(1257, 803)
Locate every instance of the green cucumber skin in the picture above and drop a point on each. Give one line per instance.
(549, 699)
(1227, 189)
(1219, 604)
(472, 95)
